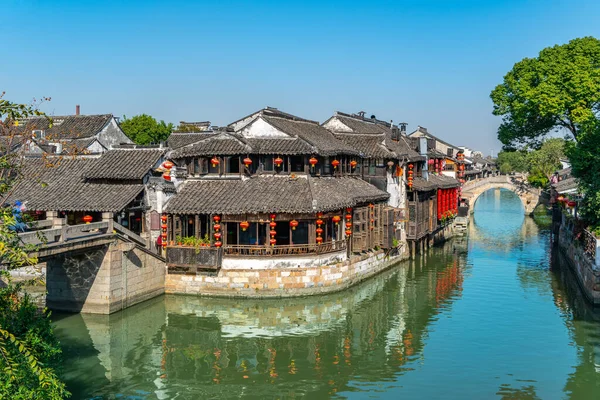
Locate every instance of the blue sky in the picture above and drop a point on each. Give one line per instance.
(429, 63)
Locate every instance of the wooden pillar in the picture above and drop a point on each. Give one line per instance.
(197, 226)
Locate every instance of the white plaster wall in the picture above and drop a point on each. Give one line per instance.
(335, 125)
(282, 262)
(237, 126)
(112, 135)
(394, 189)
(449, 173)
(95, 148)
(261, 128)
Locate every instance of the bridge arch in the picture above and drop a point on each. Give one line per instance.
(529, 196)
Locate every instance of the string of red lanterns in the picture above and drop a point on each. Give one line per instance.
(348, 221)
(217, 234)
(164, 227)
(410, 175)
(273, 232)
(319, 230)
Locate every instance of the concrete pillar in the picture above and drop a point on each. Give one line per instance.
(53, 216)
(108, 217)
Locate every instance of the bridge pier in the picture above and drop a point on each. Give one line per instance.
(103, 279)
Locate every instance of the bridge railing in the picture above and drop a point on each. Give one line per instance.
(474, 184)
(64, 233)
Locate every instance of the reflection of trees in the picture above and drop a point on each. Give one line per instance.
(222, 348)
(583, 322)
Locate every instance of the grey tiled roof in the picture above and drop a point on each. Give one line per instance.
(222, 144)
(368, 145)
(359, 125)
(313, 133)
(271, 194)
(124, 164)
(565, 185)
(61, 187)
(69, 126)
(434, 182)
(179, 139)
(281, 146)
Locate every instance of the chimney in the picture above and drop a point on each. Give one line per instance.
(423, 151)
(403, 127)
(77, 109)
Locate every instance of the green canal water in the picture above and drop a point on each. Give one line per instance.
(493, 315)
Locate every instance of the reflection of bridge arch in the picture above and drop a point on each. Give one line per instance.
(529, 196)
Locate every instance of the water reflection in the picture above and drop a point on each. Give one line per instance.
(216, 348)
(479, 318)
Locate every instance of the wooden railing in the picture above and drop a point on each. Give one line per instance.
(284, 250)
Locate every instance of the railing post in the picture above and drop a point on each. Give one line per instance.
(56, 221)
(108, 217)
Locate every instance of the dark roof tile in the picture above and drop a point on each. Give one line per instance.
(124, 164)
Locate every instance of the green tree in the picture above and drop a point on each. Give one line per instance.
(28, 347)
(544, 162)
(558, 89)
(512, 161)
(144, 129)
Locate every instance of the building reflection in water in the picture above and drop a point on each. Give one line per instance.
(221, 348)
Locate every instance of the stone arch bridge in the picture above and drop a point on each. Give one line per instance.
(530, 196)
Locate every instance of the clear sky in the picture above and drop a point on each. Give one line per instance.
(429, 63)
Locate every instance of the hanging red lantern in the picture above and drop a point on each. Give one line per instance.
(336, 219)
(319, 215)
(319, 222)
(348, 225)
(217, 227)
(167, 177)
(163, 218)
(313, 161)
(278, 161)
(348, 217)
(164, 243)
(244, 225)
(168, 165)
(216, 218)
(273, 241)
(272, 233)
(430, 161)
(218, 243)
(319, 239)
(571, 203)
(319, 231)
(87, 219)
(164, 227)
(247, 162)
(214, 161)
(410, 166)
(353, 164)
(335, 163)
(272, 217)
(272, 224)
(164, 235)
(348, 232)
(217, 235)
(349, 210)
(293, 224)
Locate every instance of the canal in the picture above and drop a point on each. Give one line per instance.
(493, 315)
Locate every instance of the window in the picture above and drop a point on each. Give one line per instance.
(39, 134)
(200, 166)
(326, 166)
(233, 165)
(372, 167)
(267, 162)
(450, 152)
(297, 163)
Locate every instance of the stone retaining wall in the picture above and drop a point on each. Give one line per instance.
(283, 282)
(587, 272)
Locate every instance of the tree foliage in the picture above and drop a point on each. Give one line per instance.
(144, 129)
(558, 89)
(28, 347)
(512, 161)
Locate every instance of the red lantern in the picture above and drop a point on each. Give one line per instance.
(272, 224)
(168, 164)
(348, 225)
(247, 162)
(335, 163)
(349, 210)
(293, 224)
(163, 218)
(348, 217)
(313, 161)
(167, 177)
(272, 241)
(348, 232)
(278, 161)
(571, 203)
(244, 225)
(273, 233)
(336, 219)
(164, 244)
(216, 218)
(217, 235)
(319, 222)
(319, 231)
(218, 243)
(87, 219)
(410, 166)
(272, 216)
(353, 164)
(214, 161)
(164, 235)
(319, 239)
(217, 227)
(164, 227)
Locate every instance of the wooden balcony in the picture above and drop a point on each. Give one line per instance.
(284, 250)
